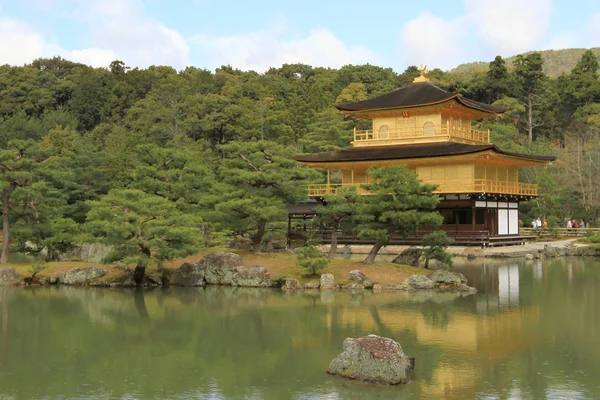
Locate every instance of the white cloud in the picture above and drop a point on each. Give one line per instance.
(20, 43)
(512, 26)
(118, 29)
(93, 56)
(486, 27)
(432, 41)
(270, 48)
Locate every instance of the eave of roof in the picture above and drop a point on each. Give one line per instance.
(406, 152)
(416, 95)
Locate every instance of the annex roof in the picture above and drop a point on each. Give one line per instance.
(403, 152)
(414, 95)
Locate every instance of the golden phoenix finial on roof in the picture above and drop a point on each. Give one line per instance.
(422, 77)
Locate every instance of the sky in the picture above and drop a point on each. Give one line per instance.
(259, 34)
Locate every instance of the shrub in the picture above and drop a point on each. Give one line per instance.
(311, 259)
(37, 267)
(435, 245)
(592, 237)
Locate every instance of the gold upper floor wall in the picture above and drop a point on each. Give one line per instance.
(428, 125)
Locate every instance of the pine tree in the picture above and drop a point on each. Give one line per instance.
(397, 204)
(261, 179)
(143, 228)
(337, 208)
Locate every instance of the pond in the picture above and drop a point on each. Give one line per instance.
(532, 331)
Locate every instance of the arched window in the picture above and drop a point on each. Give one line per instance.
(428, 129)
(384, 132)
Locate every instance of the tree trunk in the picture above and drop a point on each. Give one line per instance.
(5, 221)
(258, 237)
(138, 275)
(334, 241)
(530, 117)
(373, 253)
(427, 263)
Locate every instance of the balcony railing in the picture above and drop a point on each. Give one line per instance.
(446, 187)
(420, 135)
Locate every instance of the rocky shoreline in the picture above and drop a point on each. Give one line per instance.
(228, 269)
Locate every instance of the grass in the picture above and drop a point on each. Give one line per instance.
(278, 264)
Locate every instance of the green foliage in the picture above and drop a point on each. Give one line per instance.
(143, 227)
(259, 179)
(70, 133)
(311, 259)
(434, 248)
(592, 237)
(554, 225)
(398, 204)
(37, 267)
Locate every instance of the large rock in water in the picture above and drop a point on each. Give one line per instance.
(189, 274)
(442, 276)
(78, 276)
(219, 267)
(409, 256)
(252, 276)
(372, 359)
(9, 277)
(418, 282)
(361, 278)
(447, 280)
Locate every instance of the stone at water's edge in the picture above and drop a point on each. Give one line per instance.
(9, 277)
(529, 256)
(291, 284)
(358, 277)
(327, 282)
(354, 287)
(219, 267)
(447, 277)
(189, 274)
(373, 359)
(378, 287)
(448, 280)
(154, 280)
(251, 276)
(418, 282)
(410, 256)
(79, 276)
(311, 285)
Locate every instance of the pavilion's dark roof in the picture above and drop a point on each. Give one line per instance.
(414, 95)
(401, 152)
(304, 208)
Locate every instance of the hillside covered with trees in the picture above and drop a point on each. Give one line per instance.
(556, 62)
(191, 158)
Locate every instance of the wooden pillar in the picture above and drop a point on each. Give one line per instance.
(473, 210)
(328, 176)
(352, 176)
(289, 233)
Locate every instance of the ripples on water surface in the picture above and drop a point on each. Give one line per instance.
(533, 331)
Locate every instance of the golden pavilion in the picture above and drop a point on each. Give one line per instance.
(430, 130)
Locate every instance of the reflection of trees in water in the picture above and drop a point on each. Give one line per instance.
(276, 345)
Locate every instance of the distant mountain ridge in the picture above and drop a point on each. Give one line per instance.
(556, 62)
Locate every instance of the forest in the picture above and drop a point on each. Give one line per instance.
(157, 161)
